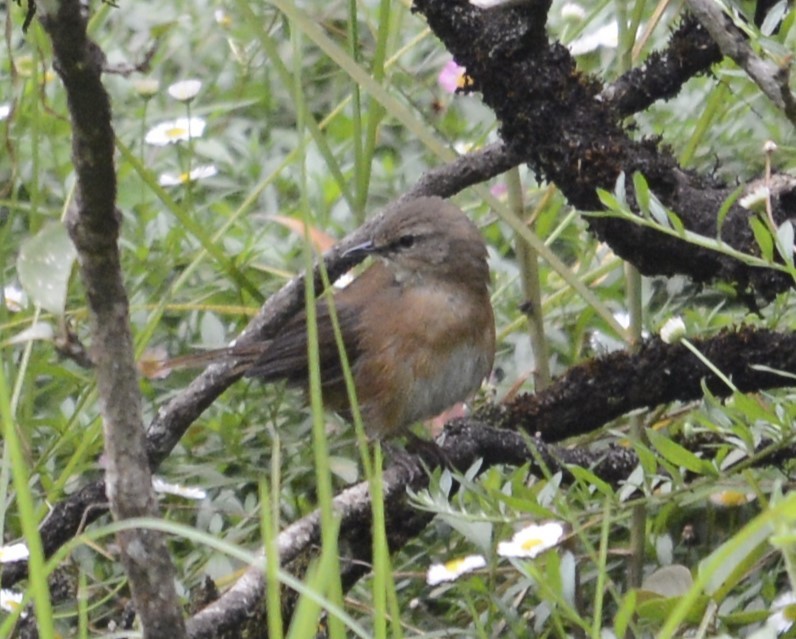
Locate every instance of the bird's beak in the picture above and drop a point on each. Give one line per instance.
(360, 251)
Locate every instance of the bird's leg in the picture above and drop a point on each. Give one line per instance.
(409, 462)
(429, 451)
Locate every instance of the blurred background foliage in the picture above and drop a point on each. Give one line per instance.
(294, 138)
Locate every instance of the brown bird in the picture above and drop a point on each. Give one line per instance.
(417, 324)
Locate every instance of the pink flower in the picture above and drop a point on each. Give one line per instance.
(451, 77)
(499, 190)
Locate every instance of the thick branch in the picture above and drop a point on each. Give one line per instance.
(93, 225)
(590, 395)
(556, 118)
(469, 169)
(690, 51)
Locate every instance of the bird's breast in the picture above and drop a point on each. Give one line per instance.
(456, 375)
(427, 348)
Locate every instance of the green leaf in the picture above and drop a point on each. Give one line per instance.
(656, 608)
(774, 371)
(678, 455)
(725, 208)
(646, 458)
(345, 468)
(568, 571)
(590, 479)
(669, 581)
(620, 191)
(39, 330)
(659, 212)
(609, 201)
(675, 222)
(747, 547)
(773, 18)
(477, 532)
(745, 618)
(45, 265)
(752, 409)
(642, 193)
(161, 29)
(212, 330)
(627, 609)
(785, 242)
(763, 238)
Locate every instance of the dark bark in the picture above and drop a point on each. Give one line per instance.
(558, 120)
(93, 225)
(588, 396)
(690, 52)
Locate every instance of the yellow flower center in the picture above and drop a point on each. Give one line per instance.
(531, 543)
(454, 565)
(464, 81)
(732, 498)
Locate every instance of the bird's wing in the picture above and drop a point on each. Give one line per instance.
(286, 356)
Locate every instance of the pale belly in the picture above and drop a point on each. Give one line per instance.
(460, 375)
(435, 357)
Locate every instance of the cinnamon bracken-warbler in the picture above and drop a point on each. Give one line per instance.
(417, 324)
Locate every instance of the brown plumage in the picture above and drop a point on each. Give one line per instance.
(417, 324)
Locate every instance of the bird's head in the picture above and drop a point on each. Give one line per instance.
(427, 237)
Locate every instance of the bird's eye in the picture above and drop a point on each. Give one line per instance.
(406, 241)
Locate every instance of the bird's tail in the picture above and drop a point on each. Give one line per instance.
(242, 356)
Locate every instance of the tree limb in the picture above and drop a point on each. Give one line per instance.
(556, 118)
(93, 225)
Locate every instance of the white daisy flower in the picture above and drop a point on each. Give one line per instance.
(755, 199)
(179, 130)
(14, 298)
(783, 612)
(462, 148)
(185, 90)
(10, 601)
(146, 87)
(222, 18)
(606, 37)
(453, 569)
(532, 540)
(728, 498)
(673, 330)
(13, 552)
(161, 486)
(199, 173)
(573, 11)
